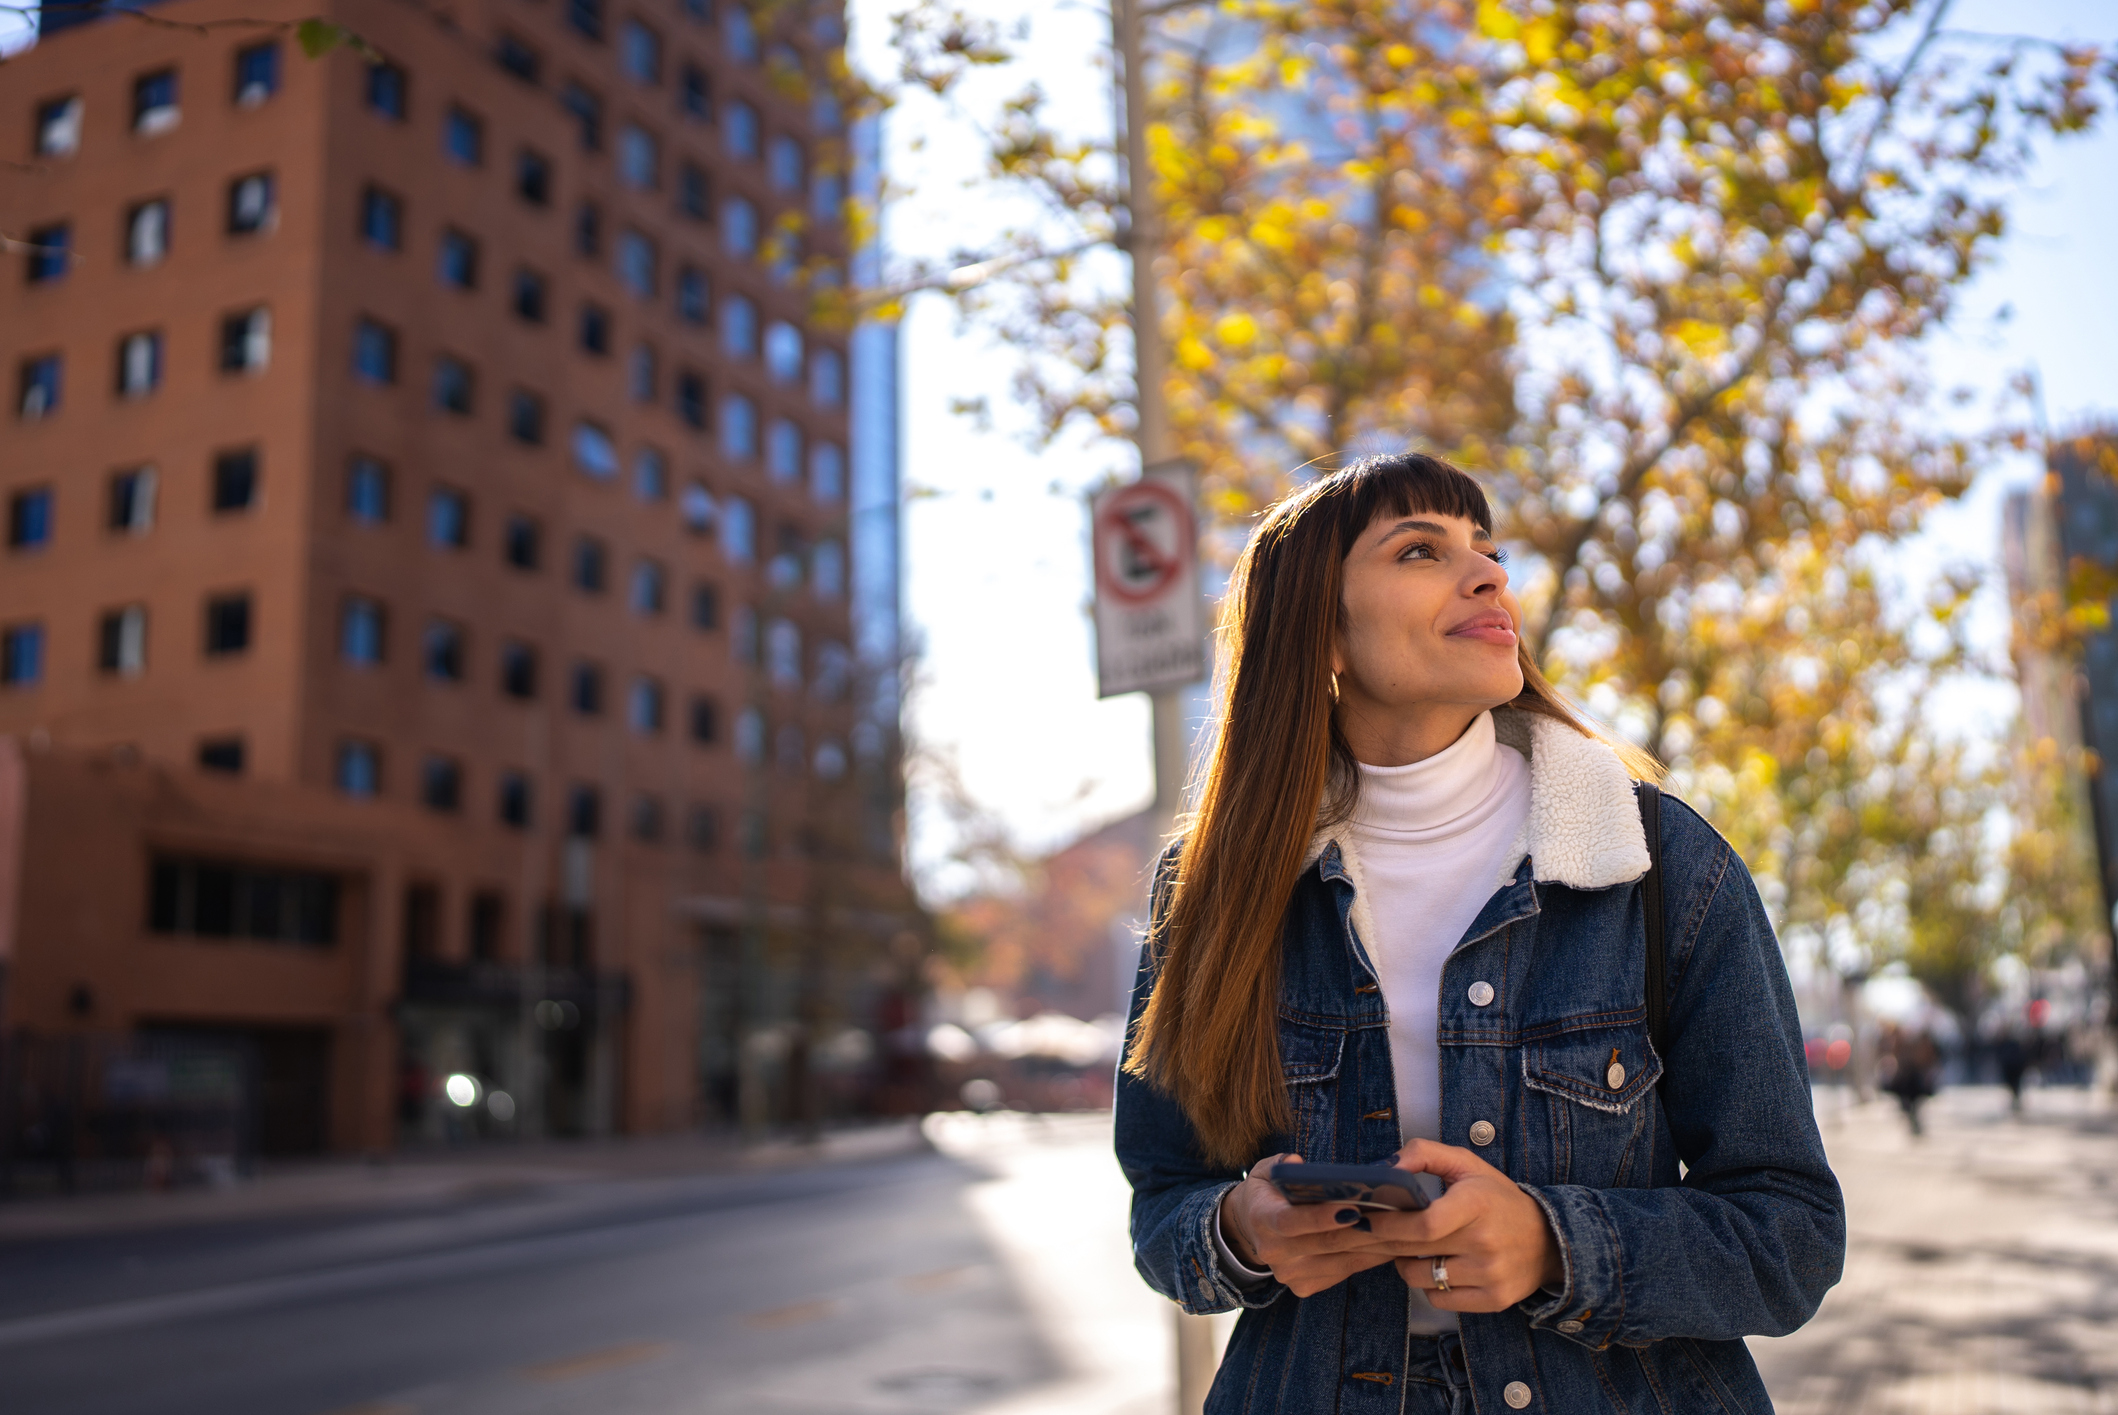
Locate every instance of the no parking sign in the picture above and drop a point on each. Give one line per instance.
(1150, 621)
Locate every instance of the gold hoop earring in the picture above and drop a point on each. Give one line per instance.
(1334, 687)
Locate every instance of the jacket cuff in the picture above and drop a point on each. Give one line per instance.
(1210, 1284)
(1590, 1304)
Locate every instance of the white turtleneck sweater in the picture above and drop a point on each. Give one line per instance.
(1431, 840)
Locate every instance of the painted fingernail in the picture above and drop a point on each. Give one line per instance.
(1346, 1215)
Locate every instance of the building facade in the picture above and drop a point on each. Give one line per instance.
(428, 643)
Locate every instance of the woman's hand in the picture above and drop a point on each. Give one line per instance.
(1309, 1247)
(1492, 1238)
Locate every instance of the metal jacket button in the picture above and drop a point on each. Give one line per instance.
(1516, 1394)
(1482, 1134)
(1616, 1075)
(1570, 1326)
(1481, 993)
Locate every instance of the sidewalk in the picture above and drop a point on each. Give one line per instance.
(424, 1177)
(1982, 1263)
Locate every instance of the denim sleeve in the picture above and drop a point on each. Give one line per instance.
(1750, 1239)
(1176, 1191)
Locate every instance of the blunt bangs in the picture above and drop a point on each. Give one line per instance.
(1404, 484)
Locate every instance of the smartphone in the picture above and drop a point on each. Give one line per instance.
(1365, 1186)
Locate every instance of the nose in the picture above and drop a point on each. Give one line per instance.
(1486, 576)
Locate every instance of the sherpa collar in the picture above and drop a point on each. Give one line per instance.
(1583, 829)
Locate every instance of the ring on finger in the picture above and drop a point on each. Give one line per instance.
(1441, 1274)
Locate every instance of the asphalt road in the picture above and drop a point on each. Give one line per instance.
(847, 1289)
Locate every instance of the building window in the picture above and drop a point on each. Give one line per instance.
(739, 327)
(362, 627)
(644, 707)
(154, 102)
(530, 298)
(636, 264)
(216, 899)
(227, 625)
(40, 385)
(359, 768)
(691, 399)
(827, 569)
(132, 501)
(21, 655)
(246, 341)
(587, 111)
(50, 252)
(694, 192)
(743, 638)
(738, 428)
(517, 57)
(441, 652)
(487, 912)
(449, 519)
(374, 352)
(739, 34)
(696, 509)
(518, 669)
(827, 196)
(368, 491)
(784, 572)
(586, 16)
(594, 453)
(584, 812)
(738, 531)
(639, 158)
(515, 800)
(702, 828)
(453, 385)
(256, 74)
(650, 474)
(387, 89)
(783, 653)
(147, 232)
(750, 737)
(381, 219)
(522, 542)
(827, 377)
(827, 472)
(705, 721)
(59, 126)
(591, 565)
(463, 137)
(739, 127)
(585, 690)
(739, 228)
(692, 298)
(824, 113)
(29, 516)
(783, 165)
(783, 451)
(139, 364)
(441, 784)
(525, 417)
(533, 178)
(834, 672)
(640, 376)
(783, 352)
(640, 52)
(235, 480)
(647, 819)
(459, 260)
(649, 590)
(588, 230)
(121, 641)
(595, 330)
(251, 204)
(694, 93)
(223, 754)
(705, 613)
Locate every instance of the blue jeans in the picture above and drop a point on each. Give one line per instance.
(1436, 1380)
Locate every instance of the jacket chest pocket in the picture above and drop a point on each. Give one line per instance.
(1597, 1086)
(1310, 1058)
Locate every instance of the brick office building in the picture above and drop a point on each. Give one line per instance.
(426, 624)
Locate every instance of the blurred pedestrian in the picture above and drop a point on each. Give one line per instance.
(1413, 906)
(1914, 1061)
(2014, 1060)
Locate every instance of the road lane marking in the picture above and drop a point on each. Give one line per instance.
(589, 1362)
(790, 1316)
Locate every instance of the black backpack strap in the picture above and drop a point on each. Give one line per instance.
(1657, 980)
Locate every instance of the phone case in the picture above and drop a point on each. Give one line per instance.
(1363, 1186)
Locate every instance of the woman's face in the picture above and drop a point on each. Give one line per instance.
(1427, 636)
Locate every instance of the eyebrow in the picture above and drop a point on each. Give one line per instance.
(1432, 528)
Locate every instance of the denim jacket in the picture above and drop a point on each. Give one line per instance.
(1691, 1200)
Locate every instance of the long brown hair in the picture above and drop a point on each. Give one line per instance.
(1279, 769)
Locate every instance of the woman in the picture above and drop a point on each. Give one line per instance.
(1406, 926)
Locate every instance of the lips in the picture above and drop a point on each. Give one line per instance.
(1492, 627)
